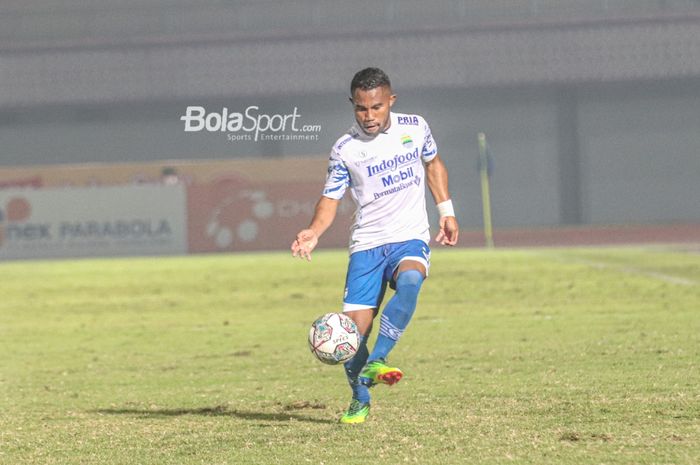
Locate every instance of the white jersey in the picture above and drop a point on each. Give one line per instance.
(386, 178)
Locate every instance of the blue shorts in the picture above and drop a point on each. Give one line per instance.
(370, 270)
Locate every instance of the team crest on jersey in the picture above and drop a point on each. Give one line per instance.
(407, 141)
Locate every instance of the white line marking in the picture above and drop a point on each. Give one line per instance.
(631, 270)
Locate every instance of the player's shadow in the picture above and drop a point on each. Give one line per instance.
(218, 411)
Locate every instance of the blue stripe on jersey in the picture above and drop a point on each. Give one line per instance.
(333, 189)
(340, 177)
(339, 172)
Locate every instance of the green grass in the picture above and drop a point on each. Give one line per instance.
(543, 356)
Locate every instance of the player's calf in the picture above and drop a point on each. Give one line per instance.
(397, 313)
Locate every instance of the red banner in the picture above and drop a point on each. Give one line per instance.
(234, 215)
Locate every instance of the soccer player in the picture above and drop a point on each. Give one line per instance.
(385, 159)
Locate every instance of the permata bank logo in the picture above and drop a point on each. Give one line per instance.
(251, 124)
(17, 210)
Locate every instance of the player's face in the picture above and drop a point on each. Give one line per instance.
(372, 108)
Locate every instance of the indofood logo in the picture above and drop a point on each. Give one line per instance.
(392, 164)
(16, 210)
(251, 124)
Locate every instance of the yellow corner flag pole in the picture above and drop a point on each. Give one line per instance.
(485, 191)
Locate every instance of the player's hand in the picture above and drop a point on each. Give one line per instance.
(304, 243)
(449, 231)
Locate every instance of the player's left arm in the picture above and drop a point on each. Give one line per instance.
(437, 179)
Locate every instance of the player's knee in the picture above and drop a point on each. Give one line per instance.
(408, 285)
(409, 280)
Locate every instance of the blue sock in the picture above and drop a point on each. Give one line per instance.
(397, 313)
(352, 371)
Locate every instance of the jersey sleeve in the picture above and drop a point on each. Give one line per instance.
(338, 178)
(429, 146)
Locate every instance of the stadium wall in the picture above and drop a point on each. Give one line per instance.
(633, 157)
(591, 118)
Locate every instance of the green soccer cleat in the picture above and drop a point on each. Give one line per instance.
(377, 371)
(356, 413)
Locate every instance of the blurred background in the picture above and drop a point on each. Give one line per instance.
(591, 109)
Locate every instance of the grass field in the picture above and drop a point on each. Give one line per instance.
(541, 356)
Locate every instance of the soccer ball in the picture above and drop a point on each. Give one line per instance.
(334, 338)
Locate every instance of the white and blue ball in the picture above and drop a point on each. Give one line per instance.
(334, 338)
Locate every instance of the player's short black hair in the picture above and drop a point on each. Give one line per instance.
(368, 79)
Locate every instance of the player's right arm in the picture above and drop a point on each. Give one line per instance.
(337, 181)
(307, 239)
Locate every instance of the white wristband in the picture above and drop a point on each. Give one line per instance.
(445, 208)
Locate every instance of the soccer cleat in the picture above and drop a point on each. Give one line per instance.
(356, 413)
(377, 371)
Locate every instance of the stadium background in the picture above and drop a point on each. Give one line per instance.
(590, 107)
